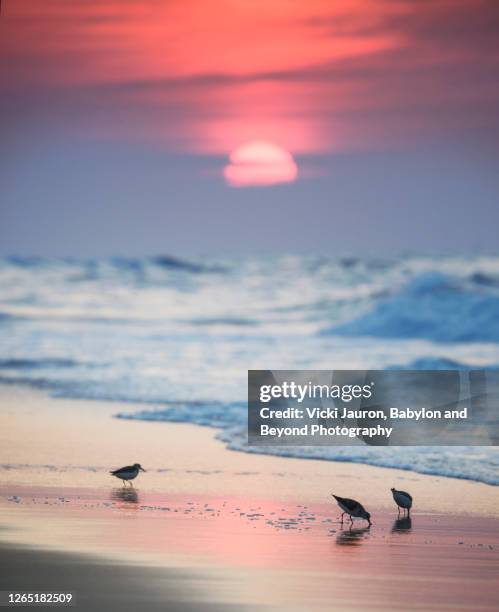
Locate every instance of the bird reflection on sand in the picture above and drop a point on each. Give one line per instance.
(125, 496)
(352, 537)
(402, 524)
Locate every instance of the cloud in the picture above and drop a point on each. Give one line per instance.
(390, 73)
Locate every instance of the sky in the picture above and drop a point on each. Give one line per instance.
(226, 127)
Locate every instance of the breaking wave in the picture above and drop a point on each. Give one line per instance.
(178, 335)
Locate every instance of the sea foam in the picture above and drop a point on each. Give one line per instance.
(178, 335)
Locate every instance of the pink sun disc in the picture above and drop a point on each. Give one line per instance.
(260, 163)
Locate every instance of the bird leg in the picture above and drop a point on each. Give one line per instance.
(124, 482)
(342, 515)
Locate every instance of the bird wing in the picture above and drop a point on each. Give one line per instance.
(127, 468)
(351, 504)
(406, 494)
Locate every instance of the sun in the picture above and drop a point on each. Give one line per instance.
(260, 163)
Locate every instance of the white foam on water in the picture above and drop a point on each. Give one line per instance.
(179, 336)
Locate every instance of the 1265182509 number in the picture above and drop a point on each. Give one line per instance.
(34, 598)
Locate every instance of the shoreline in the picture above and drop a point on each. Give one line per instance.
(66, 442)
(234, 530)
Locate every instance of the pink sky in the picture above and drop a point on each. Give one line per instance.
(205, 77)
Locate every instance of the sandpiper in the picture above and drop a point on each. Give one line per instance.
(402, 499)
(128, 473)
(352, 508)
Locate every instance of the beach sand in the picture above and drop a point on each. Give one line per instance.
(208, 528)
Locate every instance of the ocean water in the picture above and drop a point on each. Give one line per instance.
(178, 335)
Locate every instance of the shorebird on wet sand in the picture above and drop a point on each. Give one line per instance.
(403, 500)
(352, 508)
(128, 473)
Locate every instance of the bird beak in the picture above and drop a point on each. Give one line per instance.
(142, 469)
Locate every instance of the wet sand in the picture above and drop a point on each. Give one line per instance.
(101, 584)
(209, 527)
